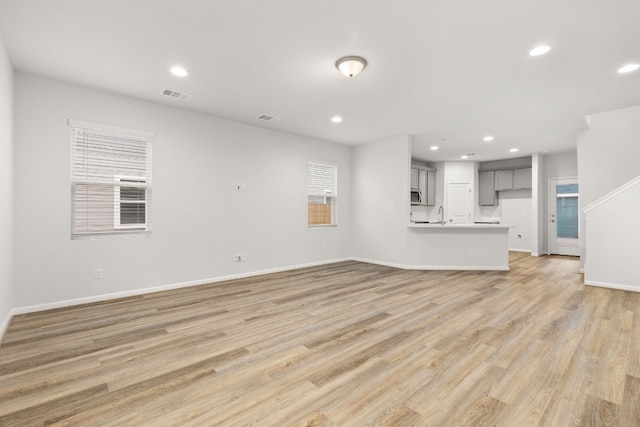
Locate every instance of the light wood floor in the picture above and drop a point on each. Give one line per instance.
(348, 344)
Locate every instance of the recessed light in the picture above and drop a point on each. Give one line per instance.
(628, 68)
(336, 119)
(179, 71)
(539, 50)
(434, 148)
(514, 150)
(464, 156)
(487, 138)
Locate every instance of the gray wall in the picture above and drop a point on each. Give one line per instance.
(516, 210)
(6, 188)
(199, 220)
(561, 165)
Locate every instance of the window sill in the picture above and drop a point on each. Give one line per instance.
(112, 235)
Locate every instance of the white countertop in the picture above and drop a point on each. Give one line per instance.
(448, 226)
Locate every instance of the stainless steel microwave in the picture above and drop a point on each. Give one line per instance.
(416, 197)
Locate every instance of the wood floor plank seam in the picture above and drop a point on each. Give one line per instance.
(344, 344)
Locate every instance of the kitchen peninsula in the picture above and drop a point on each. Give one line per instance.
(463, 223)
(460, 246)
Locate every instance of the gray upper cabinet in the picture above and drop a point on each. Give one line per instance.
(513, 179)
(422, 185)
(415, 179)
(503, 175)
(427, 186)
(504, 180)
(521, 179)
(431, 188)
(487, 189)
(423, 179)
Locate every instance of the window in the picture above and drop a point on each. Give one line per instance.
(110, 180)
(322, 191)
(130, 203)
(567, 209)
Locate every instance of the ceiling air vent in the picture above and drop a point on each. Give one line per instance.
(175, 94)
(268, 118)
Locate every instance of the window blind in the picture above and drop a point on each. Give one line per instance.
(321, 179)
(322, 189)
(110, 180)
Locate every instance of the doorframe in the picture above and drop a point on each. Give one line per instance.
(548, 213)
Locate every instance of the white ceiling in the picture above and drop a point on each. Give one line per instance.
(445, 72)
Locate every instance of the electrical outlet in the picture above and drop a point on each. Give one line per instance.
(97, 273)
(237, 257)
(471, 252)
(241, 187)
(243, 257)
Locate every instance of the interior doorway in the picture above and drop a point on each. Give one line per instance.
(564, 216)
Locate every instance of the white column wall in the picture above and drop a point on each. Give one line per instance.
(612, 246)
(6, 189)
(381, 182)
(608, 155)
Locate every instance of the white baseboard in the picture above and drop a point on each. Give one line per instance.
(5, 325)
(520, 250)
(435, 267)
(612, 286)
(135, 292)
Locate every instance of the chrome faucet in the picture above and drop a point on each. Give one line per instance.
(441, 215)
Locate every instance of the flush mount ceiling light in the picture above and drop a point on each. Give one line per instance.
(539, 50)
(628, 68)
(336, 119)
(487, 138)
(351, 66)
(513, 150)
(179, 71)
(464, 156)
(434, 148)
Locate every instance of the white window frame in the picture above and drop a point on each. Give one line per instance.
(326, 193)
(101, 155)
(118, 202)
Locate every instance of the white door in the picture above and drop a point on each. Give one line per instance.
(563, 217)
(459, 202)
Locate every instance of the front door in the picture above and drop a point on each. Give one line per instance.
(563, 218)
